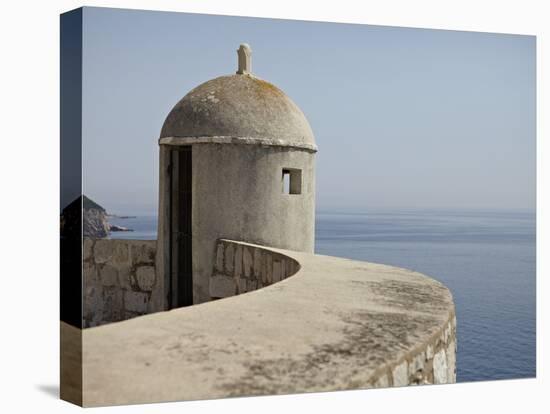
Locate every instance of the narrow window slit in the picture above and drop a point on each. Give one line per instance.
(292, 181)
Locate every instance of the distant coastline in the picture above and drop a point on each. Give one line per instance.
(120, 217)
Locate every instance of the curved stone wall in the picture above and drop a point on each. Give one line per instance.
(336, 324)
(243, 267)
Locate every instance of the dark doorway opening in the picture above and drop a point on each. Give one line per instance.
(181, 265)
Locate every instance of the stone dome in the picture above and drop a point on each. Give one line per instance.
(238, 108)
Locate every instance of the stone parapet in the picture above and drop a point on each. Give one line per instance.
(243, 267)
(118, 279)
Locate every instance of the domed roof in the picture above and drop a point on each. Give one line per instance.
(236, 108)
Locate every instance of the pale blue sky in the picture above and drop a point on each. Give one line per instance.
(403, 118)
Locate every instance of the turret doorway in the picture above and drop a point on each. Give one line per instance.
(181, 264)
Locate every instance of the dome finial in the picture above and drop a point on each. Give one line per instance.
(244, 52)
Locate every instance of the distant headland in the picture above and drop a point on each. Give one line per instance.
(95, 219)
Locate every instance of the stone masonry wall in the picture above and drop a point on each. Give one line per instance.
(119, 279)
(240, 267)
(433, 362)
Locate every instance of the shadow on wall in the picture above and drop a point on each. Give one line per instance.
(240, 267)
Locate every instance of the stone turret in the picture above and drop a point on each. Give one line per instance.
(237, 161)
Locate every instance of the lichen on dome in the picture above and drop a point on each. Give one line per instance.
(239, 106)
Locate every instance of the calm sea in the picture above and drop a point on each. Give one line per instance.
(487, 259)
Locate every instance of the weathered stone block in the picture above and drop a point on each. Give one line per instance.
(219, 257)
(121, 254)
(145, 276)
(242, 285)
(400, 375)
(229, 258)
(109, 275)
(222, 286)
(263, 272)
(257, 268)
(136, 301)
(142, 253)
(269, 269)
(276, 271)
(93, 305)
(103, 251)
(251, 285)
(440, 367)
(124, 278)
(87, 248)
(289, 266)
(247, 262)
(89, 274)
(238, 261)
(113, 309)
